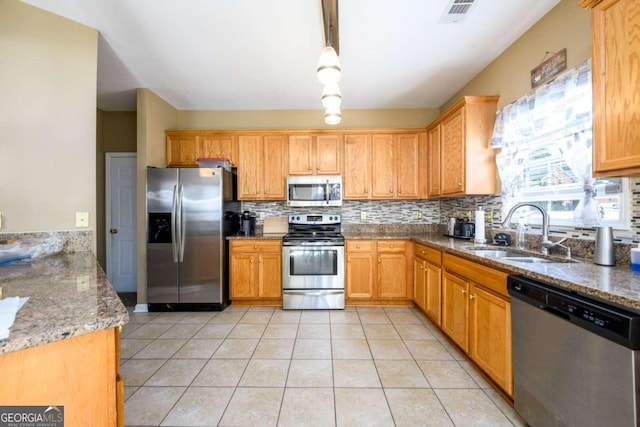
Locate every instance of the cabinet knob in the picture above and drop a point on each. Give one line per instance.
(379, 260)
(392, 246)
(459, 184)
(471, 296)
(357, 246)
(251, 260)
(464, 292)
(399, 191)
(391, 191)
(260, 259)
(423, 252)
(255, 246)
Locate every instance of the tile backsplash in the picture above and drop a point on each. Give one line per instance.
(436, 212)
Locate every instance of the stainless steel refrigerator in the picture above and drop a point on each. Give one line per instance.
(189, 214)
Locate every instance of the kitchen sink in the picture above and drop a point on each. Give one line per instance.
(515, 256)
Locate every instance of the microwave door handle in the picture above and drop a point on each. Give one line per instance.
(327, 196)
(174, 241)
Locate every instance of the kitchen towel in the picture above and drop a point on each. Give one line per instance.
(8, 309)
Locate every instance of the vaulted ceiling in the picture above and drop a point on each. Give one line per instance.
(256, 54)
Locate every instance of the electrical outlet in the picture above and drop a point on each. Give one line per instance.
(490, 216)
(363, 215)
(419, 214)
(82, 219)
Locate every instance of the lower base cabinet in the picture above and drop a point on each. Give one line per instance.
(427, 285)
(377, 272)
(255, 272)
(81, 373)
(476, 315)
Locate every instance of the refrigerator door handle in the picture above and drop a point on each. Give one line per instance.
(174, 241)
(182, 224)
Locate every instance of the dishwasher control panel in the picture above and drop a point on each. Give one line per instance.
(606, 320)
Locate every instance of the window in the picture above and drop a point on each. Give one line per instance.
(546, 138)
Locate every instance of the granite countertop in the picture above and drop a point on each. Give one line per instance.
(617, 284)
(257, 236)
(69, 295)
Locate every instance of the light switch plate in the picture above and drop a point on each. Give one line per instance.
(363, 215)
(82, 219)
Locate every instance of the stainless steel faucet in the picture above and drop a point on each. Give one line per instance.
(546, 243)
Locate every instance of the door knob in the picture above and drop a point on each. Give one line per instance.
(113, 231)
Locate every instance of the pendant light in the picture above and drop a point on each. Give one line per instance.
(332, 116)
(329, 66)
(331, 95)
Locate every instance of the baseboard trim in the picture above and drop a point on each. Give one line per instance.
(141, 308)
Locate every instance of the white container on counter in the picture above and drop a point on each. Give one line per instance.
(635, 258)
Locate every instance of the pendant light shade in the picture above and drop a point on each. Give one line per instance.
(332, 116)
(331, 95)
(329, 66)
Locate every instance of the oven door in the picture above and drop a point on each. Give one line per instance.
(313, 267)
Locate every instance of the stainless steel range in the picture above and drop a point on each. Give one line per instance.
(313, 263)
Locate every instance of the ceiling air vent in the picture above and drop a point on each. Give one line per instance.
(456, 11)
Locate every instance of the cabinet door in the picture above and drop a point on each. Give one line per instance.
(224, 146)
(270, 275)
(383, 174)
(455, 309)
(616, 96)
(433, 292)
(490, 335)
(274, 167)
(242, 275)
(360, 275)
(328, 159)
(300, 155)
(452, 154)
(357, 167)
(407, 170)
(433, 160)
(249, 167)
(182, 150)
(419, 283)
(392, 276)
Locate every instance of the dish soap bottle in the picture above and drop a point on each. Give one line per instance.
(635, 258)
(520, 239)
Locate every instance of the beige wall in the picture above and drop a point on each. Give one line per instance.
(48, 68)
(116, 133)
(305, 119)
(509, 75)
(154, 116)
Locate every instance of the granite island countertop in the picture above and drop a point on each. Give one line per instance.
(69, 295)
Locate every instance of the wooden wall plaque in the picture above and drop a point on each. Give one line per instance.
(549, 68)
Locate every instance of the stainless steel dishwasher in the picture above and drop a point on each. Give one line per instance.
(575, 359)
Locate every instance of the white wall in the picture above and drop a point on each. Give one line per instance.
(48, 69)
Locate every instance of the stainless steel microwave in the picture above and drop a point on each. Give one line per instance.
(306, 191)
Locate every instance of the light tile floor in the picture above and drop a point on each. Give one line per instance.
(263, 366)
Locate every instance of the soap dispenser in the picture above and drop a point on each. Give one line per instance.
(520, 237)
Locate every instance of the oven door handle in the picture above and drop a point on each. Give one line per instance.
(315, 293)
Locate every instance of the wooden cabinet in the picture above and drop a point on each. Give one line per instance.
(395, 159)
(185, 147)
(81, 373)
(615, 47)
(357, 167)
(427, 281)
(460, 138)
(377, 272)
(255, 271)
(218, 145)
(315, 154)
(262, 167)
(182, 149)
(476, 315)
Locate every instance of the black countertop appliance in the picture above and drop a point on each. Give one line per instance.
(248, 223)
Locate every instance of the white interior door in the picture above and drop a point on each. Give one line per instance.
(120, 221)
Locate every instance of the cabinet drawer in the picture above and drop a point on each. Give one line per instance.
(495, 280)
(392, 246)
(434, 256)
(262, 246)
(360, 245)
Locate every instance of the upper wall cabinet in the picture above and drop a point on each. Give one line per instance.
(185, 147)
(396, 165)
(357, 167)
(262, 167)
(315, 154)
(460, 160)
(615, 48)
